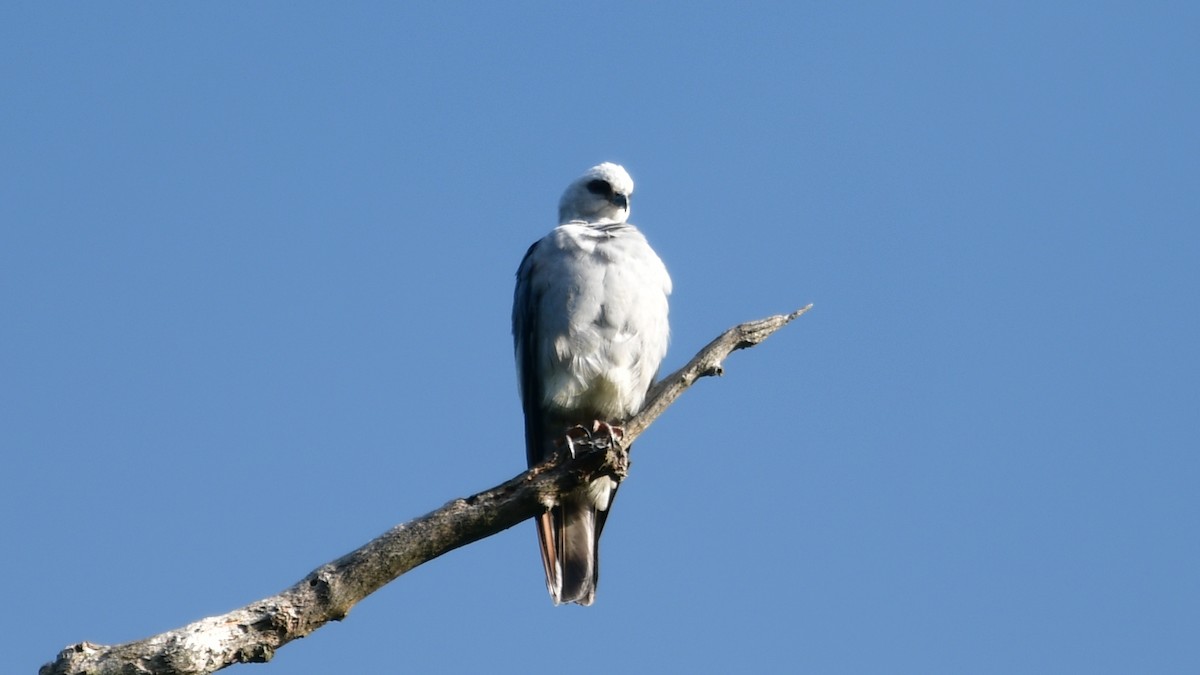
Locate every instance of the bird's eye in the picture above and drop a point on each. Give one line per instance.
(600, 187)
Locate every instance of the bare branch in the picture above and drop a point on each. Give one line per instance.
(707, 362)
(252, 633)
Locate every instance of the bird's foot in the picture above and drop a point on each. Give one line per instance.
(600, 435)
(613, 433)
(574, 435)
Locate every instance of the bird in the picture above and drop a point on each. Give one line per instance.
(590, 331)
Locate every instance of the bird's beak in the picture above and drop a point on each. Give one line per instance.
(620, 200)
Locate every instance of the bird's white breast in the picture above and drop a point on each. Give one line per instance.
(603, 319)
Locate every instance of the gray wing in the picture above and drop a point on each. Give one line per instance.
(526, 340)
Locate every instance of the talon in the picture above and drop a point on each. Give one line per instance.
(613, 433)
(574, 435)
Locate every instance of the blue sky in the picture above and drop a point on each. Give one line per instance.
(256, 266)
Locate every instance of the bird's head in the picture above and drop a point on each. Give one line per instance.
(599, 196)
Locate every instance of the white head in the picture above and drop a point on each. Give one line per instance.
(599, 196)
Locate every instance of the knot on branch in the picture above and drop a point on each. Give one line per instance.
(258, 653)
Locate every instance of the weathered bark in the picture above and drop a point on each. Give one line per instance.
(252, 633)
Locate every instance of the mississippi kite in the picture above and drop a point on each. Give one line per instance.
(590, 330)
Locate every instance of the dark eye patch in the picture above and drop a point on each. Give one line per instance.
(600, 187)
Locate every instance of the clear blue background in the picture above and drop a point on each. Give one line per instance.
(256, 264)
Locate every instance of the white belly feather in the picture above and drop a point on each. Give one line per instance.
(601, 354)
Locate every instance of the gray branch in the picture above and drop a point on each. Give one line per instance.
(252, 633)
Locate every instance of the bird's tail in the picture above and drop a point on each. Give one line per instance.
(570, 537)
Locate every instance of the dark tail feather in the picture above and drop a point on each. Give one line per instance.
(578, 553)
(569, 535)
(548, 547)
